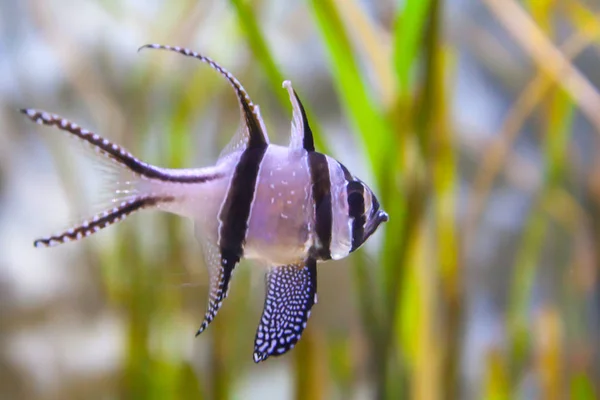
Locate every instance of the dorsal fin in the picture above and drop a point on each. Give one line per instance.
(302, 136)
(253, 132)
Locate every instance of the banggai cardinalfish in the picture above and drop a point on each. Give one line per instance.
(288, 207)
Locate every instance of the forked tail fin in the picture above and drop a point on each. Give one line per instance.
(146, 187)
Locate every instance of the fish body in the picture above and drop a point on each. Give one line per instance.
(287, 207)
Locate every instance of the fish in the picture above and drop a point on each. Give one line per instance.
(287, 207)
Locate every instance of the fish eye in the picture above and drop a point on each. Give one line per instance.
(376, 205)
(355, 194)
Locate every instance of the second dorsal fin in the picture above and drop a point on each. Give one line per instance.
(253, 132)
(302, 137)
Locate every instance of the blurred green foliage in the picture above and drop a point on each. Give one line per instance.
(410, 292)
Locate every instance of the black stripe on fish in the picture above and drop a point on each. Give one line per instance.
(101, 221)
(235, 211)
(253, 122)
(233, 216)
(115, 152)
(356, 210)
(347, 175)
(321, 196)
(307, 140)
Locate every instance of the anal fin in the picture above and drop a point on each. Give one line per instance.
(291, 293)
(220, 270)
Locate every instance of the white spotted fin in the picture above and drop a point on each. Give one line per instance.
(291, 293)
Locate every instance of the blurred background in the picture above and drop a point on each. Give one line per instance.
(476, 122)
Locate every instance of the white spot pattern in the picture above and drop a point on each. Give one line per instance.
(291, 293)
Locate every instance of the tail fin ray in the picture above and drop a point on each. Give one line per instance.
(101, 221)
(115, 152)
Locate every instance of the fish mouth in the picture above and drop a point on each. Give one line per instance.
(383, 216)
(373, 224)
